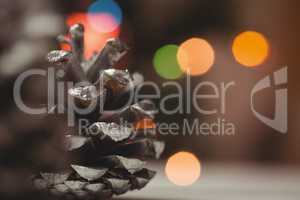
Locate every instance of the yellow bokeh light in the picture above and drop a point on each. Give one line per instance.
(183, 168)
(250, 48)
(195, 56)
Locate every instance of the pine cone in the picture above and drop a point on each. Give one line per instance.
(107, 158)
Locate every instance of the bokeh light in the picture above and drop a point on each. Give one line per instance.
(183, 169)
(146, 123)
(165, 62)
(250, 48)
(195, 56)
(94, 41)
(105, 15)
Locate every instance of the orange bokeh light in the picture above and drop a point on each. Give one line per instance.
(250, 48)
(195, 56)
(93, 39)
(183, 169)
(146, 123)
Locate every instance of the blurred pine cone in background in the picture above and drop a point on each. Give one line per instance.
(107, 155)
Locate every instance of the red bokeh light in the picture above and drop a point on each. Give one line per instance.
(93, 39)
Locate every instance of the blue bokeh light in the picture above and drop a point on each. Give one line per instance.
(109, 7)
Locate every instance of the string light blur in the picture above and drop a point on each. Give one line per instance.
(250, 48)
(165, 62)
(105, 16)
(94, 41)
(195, 56)
(183, 169)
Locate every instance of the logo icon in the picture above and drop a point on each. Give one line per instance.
(279, 122)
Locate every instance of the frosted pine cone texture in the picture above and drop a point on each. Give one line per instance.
(107, 158)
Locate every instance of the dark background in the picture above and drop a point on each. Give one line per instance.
(150, 24)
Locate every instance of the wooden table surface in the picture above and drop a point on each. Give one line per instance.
(226, 181)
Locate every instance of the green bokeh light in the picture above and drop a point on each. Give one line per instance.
(165, 62)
